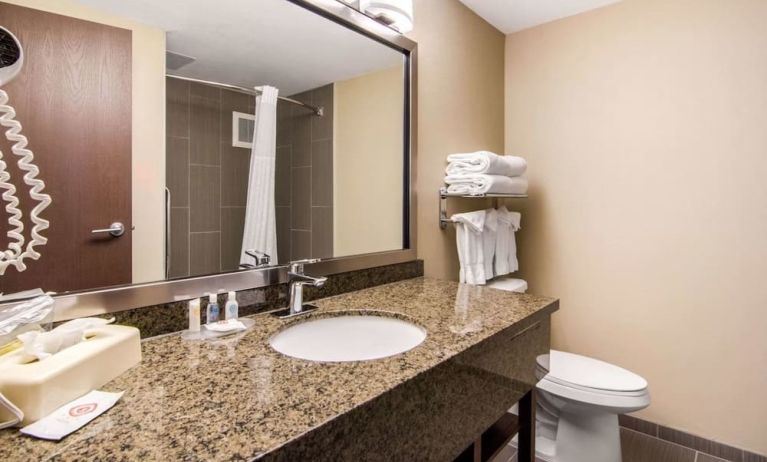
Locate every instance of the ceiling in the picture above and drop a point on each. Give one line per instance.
(250, 43)
(510, 16)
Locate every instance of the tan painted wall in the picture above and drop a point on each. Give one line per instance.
(367, 130)
(460, 108)
(644, 127)
(148, 133)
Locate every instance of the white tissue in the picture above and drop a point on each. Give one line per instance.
(44, 344)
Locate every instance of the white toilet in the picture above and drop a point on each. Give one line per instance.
(578, 402)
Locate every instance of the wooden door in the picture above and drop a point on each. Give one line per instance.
(73, 99)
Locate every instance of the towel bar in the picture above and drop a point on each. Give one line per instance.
(443, 195)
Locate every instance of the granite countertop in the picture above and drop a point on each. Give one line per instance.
(235, 398)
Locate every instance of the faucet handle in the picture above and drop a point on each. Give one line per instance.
(298, 265)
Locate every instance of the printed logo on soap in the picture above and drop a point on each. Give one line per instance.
(82, 409)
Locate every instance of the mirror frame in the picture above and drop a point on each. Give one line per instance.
(70, 305)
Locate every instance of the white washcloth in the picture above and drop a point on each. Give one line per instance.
(485, 184)
(469, 228)
(485, 162)
(506, 246)
(508, 284)
(488, 241)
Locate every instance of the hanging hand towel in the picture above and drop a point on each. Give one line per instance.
(485, 184)
(489, 241)
(506, 246)
(468, 237)
(485, 162)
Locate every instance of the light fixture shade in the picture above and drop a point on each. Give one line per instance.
(396, 13)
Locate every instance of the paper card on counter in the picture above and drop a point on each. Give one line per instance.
(72, 416)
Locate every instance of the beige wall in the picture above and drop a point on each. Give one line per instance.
(460, 108)
(148, 133)
(644, 127)
(367, 131)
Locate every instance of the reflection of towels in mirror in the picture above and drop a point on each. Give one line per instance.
(260, 231)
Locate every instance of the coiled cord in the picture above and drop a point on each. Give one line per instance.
(13, 133)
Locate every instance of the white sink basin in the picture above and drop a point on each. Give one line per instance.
(348, 338)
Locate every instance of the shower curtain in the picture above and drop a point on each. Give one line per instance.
(260, 225)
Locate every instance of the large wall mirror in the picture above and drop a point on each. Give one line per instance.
(183, 138)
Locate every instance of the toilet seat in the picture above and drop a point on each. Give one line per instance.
(570, 369)
(591, 382)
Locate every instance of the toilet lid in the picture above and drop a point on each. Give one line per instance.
(588, 372)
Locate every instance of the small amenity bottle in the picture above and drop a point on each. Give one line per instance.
(194, 315)
(213, 312)
(232, 309)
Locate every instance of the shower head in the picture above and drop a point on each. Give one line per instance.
(11, 56)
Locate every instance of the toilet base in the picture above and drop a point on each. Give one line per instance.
(583, 436)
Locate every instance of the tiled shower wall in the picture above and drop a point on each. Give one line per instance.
(304, 194)
(207, 178)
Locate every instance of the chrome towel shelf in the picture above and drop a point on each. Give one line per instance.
(443, 195)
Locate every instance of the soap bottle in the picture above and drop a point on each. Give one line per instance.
(194, 315)
(213, 310)
(232, 309)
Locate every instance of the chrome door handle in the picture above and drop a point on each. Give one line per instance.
(116, 229)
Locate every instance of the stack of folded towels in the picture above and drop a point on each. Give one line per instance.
(484, 172)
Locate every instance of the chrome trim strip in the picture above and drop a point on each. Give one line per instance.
(120, 298)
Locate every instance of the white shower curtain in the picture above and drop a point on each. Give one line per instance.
(260, 226)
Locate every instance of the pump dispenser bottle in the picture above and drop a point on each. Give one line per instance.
(213, 312)
(232, 309)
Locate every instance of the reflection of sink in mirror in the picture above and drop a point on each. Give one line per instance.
(348, 338)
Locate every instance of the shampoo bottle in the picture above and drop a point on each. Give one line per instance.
(232, 309)
(213, 310)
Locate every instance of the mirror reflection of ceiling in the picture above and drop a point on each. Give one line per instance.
(257, 42)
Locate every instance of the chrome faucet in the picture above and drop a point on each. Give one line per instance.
(261, 259)
(297, 279)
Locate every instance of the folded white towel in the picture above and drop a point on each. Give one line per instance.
(509, 284)
(485, 162)
(469, 228)
(485, 184)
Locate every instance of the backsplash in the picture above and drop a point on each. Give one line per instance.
(172, 317)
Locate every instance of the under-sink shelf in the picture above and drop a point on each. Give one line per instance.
(443, 195)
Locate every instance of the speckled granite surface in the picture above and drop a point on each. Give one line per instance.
(236, 399)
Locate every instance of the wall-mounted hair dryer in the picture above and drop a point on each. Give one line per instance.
(11, 61)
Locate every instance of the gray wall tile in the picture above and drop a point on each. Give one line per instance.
(177, 170)
(639, 447)
(322, 173)
(177, 108)
(701, 444)
(282, 176)
(752, 457)
(301, 198)
(707, 458)
(284, 123)
(205, 256)
(636, 424)
(204, 126)
(283, 234)
(235, 168)
(322, 232)
(301, 156)
(205, 200)
(232, 227)
(179, 242)
(300, 244)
